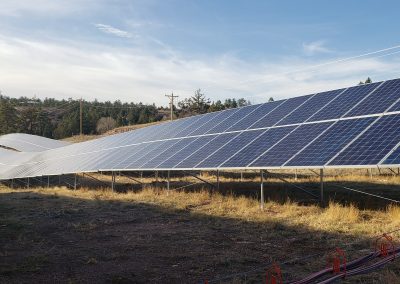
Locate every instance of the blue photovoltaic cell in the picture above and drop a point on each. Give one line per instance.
(222, 115)
(312, 106)
(178, 126)
(199, 155)
(396, 107)
(290, 145)
(277, 114)
(202, 120)
(229, 149)
(372, 146)
(237, 116)
(183, 153)
(257, 147)
(263, 110)
(132, 157)
(394, 158)
(168, 153)
(330, 143)
(152, 154)
(380, 100)
(344, 102)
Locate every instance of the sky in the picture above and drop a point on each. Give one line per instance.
(138, 51)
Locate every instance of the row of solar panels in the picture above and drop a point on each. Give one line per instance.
(29, 143)
(337, 128)
(362, 141)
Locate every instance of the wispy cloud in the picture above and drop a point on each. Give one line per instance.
(135, 74)
(315, 47)
(113, 31)
(17, 8)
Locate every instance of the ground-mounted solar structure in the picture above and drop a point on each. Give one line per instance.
(29, 143)
(354, 127)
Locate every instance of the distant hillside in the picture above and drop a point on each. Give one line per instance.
(78, 138)
(59, 119)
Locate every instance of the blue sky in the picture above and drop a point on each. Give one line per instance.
(141, 50)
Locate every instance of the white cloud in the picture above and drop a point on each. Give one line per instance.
(113, 31)
(136, 74)
(315, 47)
(19, 7)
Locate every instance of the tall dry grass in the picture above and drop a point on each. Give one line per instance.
(335, 217)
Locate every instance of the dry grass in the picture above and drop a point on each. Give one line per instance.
(337, 213)
(335, 217)
(288, 226)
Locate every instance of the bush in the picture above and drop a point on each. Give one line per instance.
(105, 124)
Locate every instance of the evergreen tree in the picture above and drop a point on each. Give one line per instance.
(8, 117)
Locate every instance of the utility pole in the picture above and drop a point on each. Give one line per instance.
(171, 104)
(80, 115)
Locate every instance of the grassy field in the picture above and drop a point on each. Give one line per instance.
(145, 233)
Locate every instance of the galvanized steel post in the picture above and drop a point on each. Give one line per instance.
(262, 190)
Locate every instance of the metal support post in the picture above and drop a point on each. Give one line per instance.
(321, 174)
(48, 181)
(156, 174)
(262, 190)
(218, 180)
(12, 183)
(28, 183)
(295, 174)
(75, 182)
(168, 180)
(241, 176)
(112, 180)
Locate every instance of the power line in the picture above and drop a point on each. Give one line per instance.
(314, 68)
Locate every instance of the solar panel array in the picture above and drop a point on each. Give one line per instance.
(29, 143)
(351, 127)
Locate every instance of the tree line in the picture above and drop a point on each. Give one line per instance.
(61, 118)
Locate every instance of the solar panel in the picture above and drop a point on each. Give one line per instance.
(394, 158)
(380, 100)
(312, 106)
(290, 145)
(357, 126)
(222, 115)
(230, 148)
(203, 119)
(253, 117)
(235, 117)
(344, 102)
(168, 153)
(145, 148)
(319, 152)
(372, 146)
(257, 147)
(280, 112)
(200, 154)
(30, 143)
(162, 146)
(182, 154)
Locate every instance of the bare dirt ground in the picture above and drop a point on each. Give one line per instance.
(150, 235)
